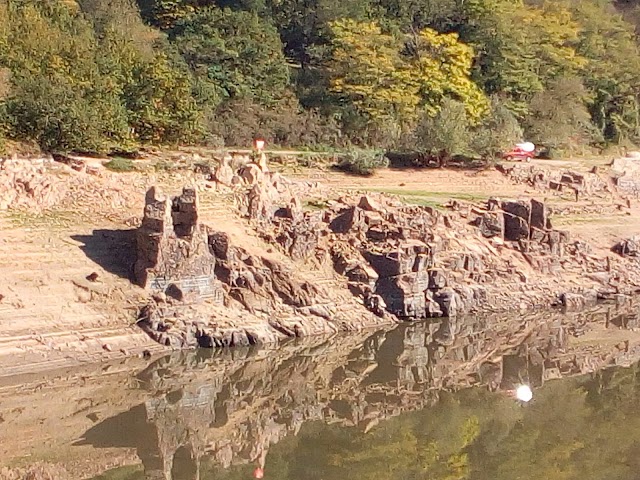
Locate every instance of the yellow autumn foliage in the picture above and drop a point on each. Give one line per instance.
(390, 78)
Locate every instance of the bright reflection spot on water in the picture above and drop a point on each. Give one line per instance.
(524, 393)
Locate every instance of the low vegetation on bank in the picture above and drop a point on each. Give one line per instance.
(446, 78)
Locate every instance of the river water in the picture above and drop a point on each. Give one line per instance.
(424, 401)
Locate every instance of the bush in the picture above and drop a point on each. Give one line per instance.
(497, 133)
(286, 124)
(558, 117)
(62, 117)
(447, 134)
(119, 164)
(362, 162)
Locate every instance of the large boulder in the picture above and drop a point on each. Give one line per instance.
(410, 256)
(629, 247)
(224, 173)
(405, 294)
(491, 224)
(539, 216)
(349, 220)
(516, 220)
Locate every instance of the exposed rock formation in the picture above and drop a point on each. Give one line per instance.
(198, 276)
(425, 263)
(627, 174)
(172, 247)
(629, 247)
(576, 184)
(396, 260)
(23, 183)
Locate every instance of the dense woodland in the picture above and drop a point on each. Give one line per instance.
(453, 76)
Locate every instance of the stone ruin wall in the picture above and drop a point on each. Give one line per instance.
(172, 248)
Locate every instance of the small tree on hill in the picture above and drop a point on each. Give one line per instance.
(446, 134)
(498, 132)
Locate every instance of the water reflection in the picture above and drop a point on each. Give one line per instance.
(387, 404)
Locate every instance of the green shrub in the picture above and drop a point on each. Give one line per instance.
(447, 134)
(119, 164)
(361, 162)
(285, 125)
(498, 132)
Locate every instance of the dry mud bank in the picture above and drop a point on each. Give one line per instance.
(232, 255)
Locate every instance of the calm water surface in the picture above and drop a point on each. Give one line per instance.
(420, 402)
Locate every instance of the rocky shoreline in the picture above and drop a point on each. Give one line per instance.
(387, 261)
(239, 256)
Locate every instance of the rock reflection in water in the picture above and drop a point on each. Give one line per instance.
(228, 409)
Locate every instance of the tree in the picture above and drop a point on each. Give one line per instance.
(442, 66)
(414, 15)
(161, 104)
(558, 117)
(447, 133)
(305, 26)
(612, 73)
(521, 47)
(367, 71)
(385, 79)
(83, 74)
(235, 52)
(59, 96)
(166, 13)
(498, 132)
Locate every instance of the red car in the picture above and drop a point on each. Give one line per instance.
(523, 152)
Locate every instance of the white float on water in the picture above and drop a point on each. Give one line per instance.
(524, 393)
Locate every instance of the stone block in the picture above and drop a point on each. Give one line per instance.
(516, 220)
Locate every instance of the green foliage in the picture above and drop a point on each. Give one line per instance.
(165, 13)
(59, 97)
(558, 117)
(612, 74)
(362, 162)
(521, 46)
(442, 67)
(236, 52)
(118, 164)
(498, 132)
(90, 75)
(383, 79)
(59, 116)
(368, 72)
(284, 124)
(447, 134)
(91, 78)
(159, 98)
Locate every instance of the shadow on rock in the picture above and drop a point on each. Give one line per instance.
(113, 250)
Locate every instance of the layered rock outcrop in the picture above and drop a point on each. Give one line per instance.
(209, 292)
(422, 262)
(381, 258)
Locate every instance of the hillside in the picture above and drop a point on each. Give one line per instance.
(445, 78)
